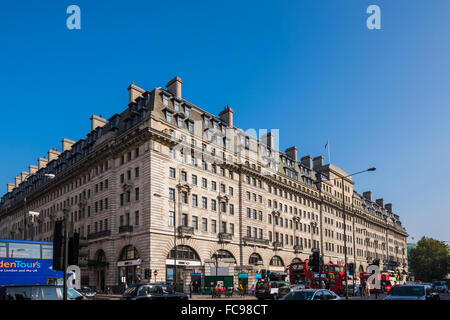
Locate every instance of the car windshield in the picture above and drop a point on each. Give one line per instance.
(73, 294)
(299, 295)
(416, 291)
(130, 291)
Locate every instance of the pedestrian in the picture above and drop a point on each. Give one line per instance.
(253, 289)
(241, 289)
(190, 290)
(322, 284)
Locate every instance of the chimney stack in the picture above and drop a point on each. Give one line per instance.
(307, 161)
(17, 181)
(227, 116)
(174, 87)
(42, 163)
(318, 162)
(292, 152)
(368, 195)
(388, 207)
(268, 139)
(23, 175)
(10, 186)
(53, 154)
(67, 144)
(380, 202)
(96, 121)
(133, 92)
(33, 169)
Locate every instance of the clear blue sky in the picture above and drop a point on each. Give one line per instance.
(309, 68)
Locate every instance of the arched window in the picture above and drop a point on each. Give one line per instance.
(223, 254)
(100, 256)
(183, 253)
(276, 261)
(296, 260)
(129, 253)
(255, 259)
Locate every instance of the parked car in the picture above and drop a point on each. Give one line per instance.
(271, 290)
(38, 292)
(87, 292)
(440, 286)
(155, 291)
(297, 287)
(311, 294)
(412, 292)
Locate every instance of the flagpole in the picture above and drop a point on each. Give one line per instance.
(327, 146)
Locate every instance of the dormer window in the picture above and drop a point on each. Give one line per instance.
(180, 122)
(214, 125)
(176, 106)
(206, 121)
(165, 101)
(187, 111)
(169, 116)
(191, 126)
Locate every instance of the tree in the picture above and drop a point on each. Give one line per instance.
(429, 260)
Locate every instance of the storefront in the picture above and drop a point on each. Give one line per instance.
(129, 266)
(185, 258)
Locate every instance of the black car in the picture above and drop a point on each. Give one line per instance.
(87, 292)
(271, 290)
(152, 291)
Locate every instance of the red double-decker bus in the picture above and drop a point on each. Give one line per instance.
(385, 283)
(332, 274)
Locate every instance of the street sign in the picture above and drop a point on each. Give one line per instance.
(155, 273)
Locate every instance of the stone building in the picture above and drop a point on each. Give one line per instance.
(165, 171)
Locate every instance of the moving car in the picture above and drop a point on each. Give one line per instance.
(311, 294)
(38, 292)
(412, 292)
(155, 291)
(440, 286)
(87, 292)
(297, 287)
(271, 290)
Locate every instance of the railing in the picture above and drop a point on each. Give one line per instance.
(225, 236)
(256, 240)
(104, 233)
(277, 245)
(185, 231)
(123, 229)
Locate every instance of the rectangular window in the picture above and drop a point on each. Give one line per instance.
(204, 203)
(194, 200)
(172, 194)
(204, 224)
(195, 222)
(184, 220)
(136, 217)
(136, 192)
(172, 173)
(213, 226)
(171, 218)
(136, 172)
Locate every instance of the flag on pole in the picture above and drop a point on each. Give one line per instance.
(327, 145)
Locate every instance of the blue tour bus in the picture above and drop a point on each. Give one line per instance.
(24, 262)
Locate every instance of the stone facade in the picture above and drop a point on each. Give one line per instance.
(164, 161)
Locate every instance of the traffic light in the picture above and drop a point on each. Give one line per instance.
(315, 261)
(74, 248)
(58, 246)
(351, 268)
